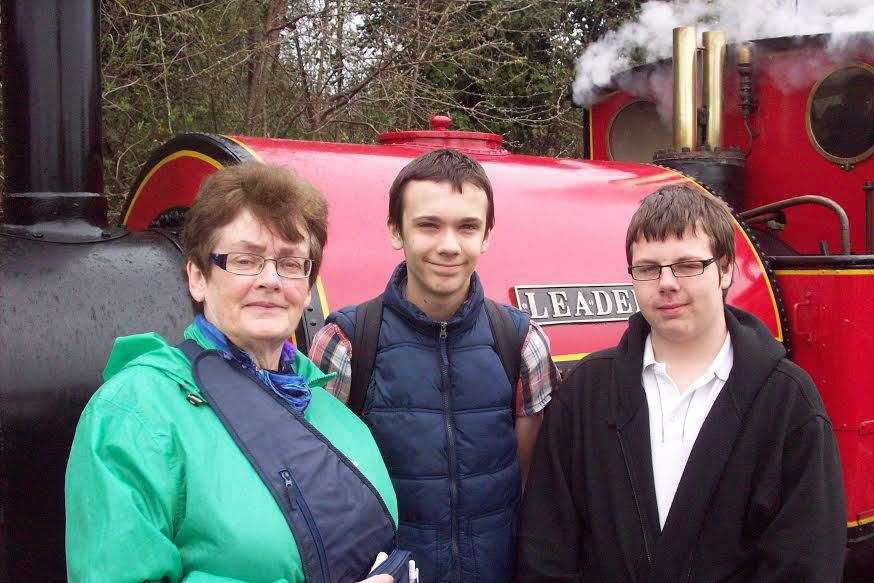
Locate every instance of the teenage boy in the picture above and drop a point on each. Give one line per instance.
(693, 450)
(455, 423)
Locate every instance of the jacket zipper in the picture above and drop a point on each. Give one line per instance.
(643, 527)
(450, 441)
(296, 497)
(691, 562)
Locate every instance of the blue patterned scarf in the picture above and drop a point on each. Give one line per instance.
(285, 383)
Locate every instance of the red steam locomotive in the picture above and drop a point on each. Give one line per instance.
(74, 282)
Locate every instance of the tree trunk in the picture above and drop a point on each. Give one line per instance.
(266, 51)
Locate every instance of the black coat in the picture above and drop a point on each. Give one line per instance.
(761, 498)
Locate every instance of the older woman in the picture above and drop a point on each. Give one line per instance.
(223, 459)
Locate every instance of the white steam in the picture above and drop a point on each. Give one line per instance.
(649, 37)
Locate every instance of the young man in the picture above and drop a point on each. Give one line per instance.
(693, 451)
(455, 433)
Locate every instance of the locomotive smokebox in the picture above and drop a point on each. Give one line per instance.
(69, 284)
(721, 170)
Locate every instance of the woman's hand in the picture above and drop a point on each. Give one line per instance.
(414, 572)
(379, 578)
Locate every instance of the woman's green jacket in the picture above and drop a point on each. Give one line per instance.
(157, 490)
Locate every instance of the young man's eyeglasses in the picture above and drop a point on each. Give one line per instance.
(679, 269)
(251, 264)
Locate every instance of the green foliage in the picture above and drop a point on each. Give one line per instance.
(503, 66)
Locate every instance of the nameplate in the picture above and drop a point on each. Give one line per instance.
(577, 303)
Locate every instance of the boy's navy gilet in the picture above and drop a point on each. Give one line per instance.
(440, 406)
(322, 495)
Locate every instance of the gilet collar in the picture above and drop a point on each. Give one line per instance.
(464, 318)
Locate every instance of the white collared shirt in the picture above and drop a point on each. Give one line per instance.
(675, 418)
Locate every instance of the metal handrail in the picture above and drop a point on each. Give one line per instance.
(843, 221)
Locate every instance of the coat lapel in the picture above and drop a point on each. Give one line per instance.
(709, 455)
(700, 479)
(634, 427)
(631, 418)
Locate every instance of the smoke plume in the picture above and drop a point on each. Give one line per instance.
(648, 38)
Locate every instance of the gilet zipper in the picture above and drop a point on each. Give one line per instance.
(450, 443)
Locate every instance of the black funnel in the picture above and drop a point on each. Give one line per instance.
(51, 92)
(68, 284)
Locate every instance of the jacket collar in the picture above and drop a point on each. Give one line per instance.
(464, 318)
(719, 368)
(756, 353)
(299, 363)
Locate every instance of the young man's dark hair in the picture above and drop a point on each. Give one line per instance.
(693, 450)
(451, 384)
(672, 210)
(442, 165)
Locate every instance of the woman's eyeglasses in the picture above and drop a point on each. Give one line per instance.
(251, 264)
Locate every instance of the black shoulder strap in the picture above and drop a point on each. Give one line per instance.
(368, 317)
(303, 471)
(191, 349)
(508, 343)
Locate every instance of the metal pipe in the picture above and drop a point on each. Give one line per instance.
(744, 54)
(752, 214)
(585, 145)
(714, 60)
(770, 216)
(869, 189)
(685, 49)
(746, 96)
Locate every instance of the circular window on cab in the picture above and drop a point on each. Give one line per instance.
(636, 132)
(840, 114)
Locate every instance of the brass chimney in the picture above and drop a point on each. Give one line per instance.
(744, 54)
(714, 60)
(685, 49)
(719, 169)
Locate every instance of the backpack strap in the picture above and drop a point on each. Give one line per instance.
(508, 343)
(368, 317)
(304, 472)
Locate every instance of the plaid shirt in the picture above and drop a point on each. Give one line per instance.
(538, 375)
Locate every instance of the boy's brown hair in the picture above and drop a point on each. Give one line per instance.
(275, 195)
(442, 165)
(674, 210)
